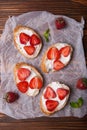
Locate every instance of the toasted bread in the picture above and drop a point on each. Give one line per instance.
(33, 73)
(47, 64)
(61, 102)
(28, 31)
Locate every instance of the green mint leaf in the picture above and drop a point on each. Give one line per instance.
(77, 104)
(47, 35)
(80, 102)
(74, 104)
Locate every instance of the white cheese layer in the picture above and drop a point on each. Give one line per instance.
(55, 86)
(32, 92)
(64, 60)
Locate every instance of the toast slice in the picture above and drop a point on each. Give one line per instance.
(54, 98)
(56, 57)
(27, 41)
(28, 80)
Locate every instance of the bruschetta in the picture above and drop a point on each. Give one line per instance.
(28, 80)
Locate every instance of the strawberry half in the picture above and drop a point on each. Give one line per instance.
(29, 49)
(53, 53)
(58, 65)
(22, 86)
(36, 83)
(35, 40)
(60, 23)
(62, 93)
(65, 51)
(23, 74)
(49, 93)
(51, 105)
(24, 38)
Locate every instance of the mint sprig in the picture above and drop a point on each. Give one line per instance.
(47, 35)
(77, 104)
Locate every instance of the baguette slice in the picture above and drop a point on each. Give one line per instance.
(30, 52)
(56, 57)
(21, 75)
(54, 98)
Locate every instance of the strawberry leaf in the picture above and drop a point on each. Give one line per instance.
(77, 104)
(85, 81)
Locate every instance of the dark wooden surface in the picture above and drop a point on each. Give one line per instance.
(71, 8)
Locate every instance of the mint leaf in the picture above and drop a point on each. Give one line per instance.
(74, 104)
(47, 35)
(80, 102)
(77, 104)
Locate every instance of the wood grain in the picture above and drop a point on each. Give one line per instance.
(84, 2)
(72, 8)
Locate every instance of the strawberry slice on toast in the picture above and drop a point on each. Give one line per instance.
(29, 49)
(24, 38)
(23, 73)
(62, 93)
(51, 105)
(65, 51)
(53, 53)
(36, 83)
(49, 93)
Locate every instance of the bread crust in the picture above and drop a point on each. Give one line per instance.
(45, 111)
(44, 58)
(19, 27)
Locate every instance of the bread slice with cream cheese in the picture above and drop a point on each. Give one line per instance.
(27, 41)
(56, 57)
(54, 97)
(27, 78)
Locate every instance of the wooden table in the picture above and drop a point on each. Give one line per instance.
(71, 8)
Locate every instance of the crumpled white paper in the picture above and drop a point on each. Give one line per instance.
(28, 107)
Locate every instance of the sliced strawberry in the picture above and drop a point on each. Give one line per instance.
(49, 93)
(36, 83)
(29, 49)
(35, 40)
(51, 105)
(23, 74)
(62, 93)
(53, 53)
(58, 65)
(65, 51)
(24, 38)
(22, 86)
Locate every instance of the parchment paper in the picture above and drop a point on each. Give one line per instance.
(28, 107)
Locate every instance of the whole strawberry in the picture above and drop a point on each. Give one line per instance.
(11, 97)
(82, 83)
(60, 23)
